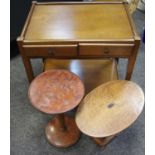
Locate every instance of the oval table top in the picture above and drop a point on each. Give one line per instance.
(56, 91)
(110, 108)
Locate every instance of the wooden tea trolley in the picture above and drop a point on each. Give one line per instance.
(79, 30)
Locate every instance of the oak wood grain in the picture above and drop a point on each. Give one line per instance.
(54, 22)
(110, 108)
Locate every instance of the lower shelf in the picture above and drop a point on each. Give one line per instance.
(92, 72)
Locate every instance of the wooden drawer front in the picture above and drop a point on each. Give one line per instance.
(123, 50)
(51, 51)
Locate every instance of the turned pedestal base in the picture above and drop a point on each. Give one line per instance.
(62, 131)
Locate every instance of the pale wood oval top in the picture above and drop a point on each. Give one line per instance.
(78, 22)
(110, 108)
(56, 91)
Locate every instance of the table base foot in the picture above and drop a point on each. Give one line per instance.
(104, 141)
(62, 137)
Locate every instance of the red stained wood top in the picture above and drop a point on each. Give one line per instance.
(56, 91)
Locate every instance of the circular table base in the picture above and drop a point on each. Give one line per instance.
(59, 137)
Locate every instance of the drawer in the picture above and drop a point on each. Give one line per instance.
(51, 50)
(121, 50)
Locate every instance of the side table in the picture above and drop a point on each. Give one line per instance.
(109, 109)
(56, 92)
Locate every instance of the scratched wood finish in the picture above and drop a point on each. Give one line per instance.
(110, 108)
(56, 91)
(76, 22)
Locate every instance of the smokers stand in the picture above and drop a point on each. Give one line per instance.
(56, 92)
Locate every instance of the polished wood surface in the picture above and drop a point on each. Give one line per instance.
(110, 108)
(56, 91)
(62, 131)
(76, 22)
(79, 30)
(92, 72)
(51, 51)
(105, 50)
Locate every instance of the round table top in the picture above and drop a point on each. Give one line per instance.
(56, 91)
(110, 108)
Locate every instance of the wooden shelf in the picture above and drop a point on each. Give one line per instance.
(92, 72)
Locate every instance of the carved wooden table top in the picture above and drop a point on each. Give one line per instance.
(56, 91)
(110, 108)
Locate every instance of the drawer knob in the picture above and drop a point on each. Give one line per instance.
(50, 52)
(105, 50)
